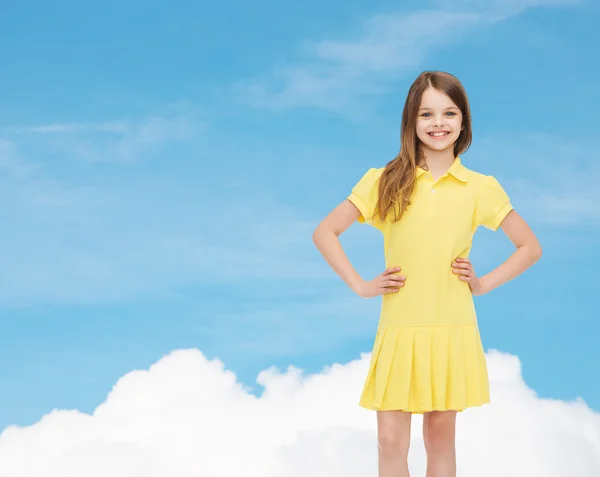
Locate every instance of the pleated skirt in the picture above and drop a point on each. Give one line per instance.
(426, 368)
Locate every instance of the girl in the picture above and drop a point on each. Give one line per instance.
(428, 357)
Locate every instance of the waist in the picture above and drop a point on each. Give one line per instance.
(417, 304)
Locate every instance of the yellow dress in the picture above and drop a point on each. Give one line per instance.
(428, 353)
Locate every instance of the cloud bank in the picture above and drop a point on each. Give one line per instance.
(188, 416)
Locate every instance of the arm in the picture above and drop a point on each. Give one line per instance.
(326, 239)
(528, 252)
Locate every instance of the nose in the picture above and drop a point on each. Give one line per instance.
(438, 121)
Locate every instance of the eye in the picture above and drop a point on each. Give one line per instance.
(451, 113)
(425, 115)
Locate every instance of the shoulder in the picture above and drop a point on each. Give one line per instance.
(370, 177)
(375, 172)
(481, 180)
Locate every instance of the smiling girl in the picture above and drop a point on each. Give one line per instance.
(428, 356)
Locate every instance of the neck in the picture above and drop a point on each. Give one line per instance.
(437, 160)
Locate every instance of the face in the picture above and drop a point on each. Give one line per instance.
(439, 121)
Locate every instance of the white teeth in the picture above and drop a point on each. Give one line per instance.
(438, 134)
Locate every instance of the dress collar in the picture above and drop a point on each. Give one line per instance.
(456, 169)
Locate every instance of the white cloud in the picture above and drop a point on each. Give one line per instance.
(188, 416)
(502, 8)
(335, 73)
(73, 243)
(118, 140)
(10, 161)
(551, 179)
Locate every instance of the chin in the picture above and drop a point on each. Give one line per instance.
(438, 147)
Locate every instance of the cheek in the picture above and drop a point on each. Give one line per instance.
(421, 130)
(457, 124)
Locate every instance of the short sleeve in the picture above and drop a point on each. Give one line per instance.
(365, 193)
(493, 204)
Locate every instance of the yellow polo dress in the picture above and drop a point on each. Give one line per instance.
(428, 353)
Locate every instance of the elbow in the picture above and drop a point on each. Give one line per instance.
(532, 251)
(316, 237)
(319, 233)
(536, 252)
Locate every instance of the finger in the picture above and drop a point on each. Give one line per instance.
(460, 271)
(461, 259)
(393, 279)
(460, 265)
(392, 270)
(386, 291)
(470, 270)
(392, 283)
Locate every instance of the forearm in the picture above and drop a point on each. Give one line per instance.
(330, 247)
(521, 259)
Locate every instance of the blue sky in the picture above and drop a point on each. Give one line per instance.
(163, 166)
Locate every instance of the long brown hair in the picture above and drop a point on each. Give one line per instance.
(397, 180)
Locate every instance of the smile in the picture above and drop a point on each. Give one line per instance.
(439, 133)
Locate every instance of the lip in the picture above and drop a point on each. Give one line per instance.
(430, 134)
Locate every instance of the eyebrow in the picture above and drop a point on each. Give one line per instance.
(449, 107)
